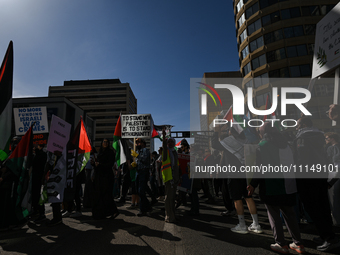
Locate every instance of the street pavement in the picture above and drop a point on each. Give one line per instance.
(128, 234)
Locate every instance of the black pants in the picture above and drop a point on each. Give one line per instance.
(228, 202)
(314, 197)
(36, 192)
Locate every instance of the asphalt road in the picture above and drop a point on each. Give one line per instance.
(128, 234)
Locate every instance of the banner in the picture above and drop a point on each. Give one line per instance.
(24, 117)
(136, 126)
(59, 134)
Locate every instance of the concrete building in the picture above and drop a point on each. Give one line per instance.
(276, 39)
(102, 100)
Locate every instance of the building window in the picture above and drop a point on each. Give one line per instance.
(310, 48)
(273, 36)
(241, 20)
(266, 3)
(276, 55)
(324, 90)
(300, 71)
(254, 26)
(261, 80)
(259, 61)
(243, 36)
(293, 31)
(310, 29)
(262, 99)
(252, 10)
(246, 69)
(245, 52)
(271, 18)
(297, 51)
(310, 10)
(280, 73)
(290, 13)
(257, 43)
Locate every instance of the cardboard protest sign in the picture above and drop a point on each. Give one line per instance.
(24, 117)
(136, 126)
(59, 134)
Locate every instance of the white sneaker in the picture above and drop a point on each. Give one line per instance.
(76, 215)
(256, 229)
(239, 229)
(279, 248)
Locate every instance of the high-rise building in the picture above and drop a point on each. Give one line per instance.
(276, 39)
(102, 100)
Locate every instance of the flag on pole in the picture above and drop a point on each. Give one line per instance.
(85, 148)
(235, 119)
(158, 129)
(117, 144)
(19, 163)
(6, 86)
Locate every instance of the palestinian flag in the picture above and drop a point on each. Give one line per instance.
(6, 86)
(117, 144)
(19, 163)
(85, 147)
(234, 118)
(157, 131)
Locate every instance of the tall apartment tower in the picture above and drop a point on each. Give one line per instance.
(276, 39)
(102, 100)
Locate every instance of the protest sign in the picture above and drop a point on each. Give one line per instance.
(136, 126)
(24, 117)
(59, 134)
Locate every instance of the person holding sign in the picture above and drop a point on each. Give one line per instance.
(171, 175)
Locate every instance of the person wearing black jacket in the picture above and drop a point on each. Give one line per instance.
(309, 150)
(103, 203)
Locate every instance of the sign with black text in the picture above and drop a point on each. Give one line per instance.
(136, 126)
(24, 118)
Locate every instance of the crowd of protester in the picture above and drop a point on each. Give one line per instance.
(153, 177)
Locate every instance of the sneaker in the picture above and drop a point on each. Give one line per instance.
(228, 213)
(279, 248)
(239, 229)
(329, 245)
(131, 207)
(76, 214)
(54, 222)
(298, 248)
(256, 229)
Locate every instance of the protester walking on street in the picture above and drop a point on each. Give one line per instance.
(103, 203)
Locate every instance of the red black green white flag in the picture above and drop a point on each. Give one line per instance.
(158, 129)
(117, 144)
(6, 87)
(19, 163)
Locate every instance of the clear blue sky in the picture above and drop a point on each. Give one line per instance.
(155, 45)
